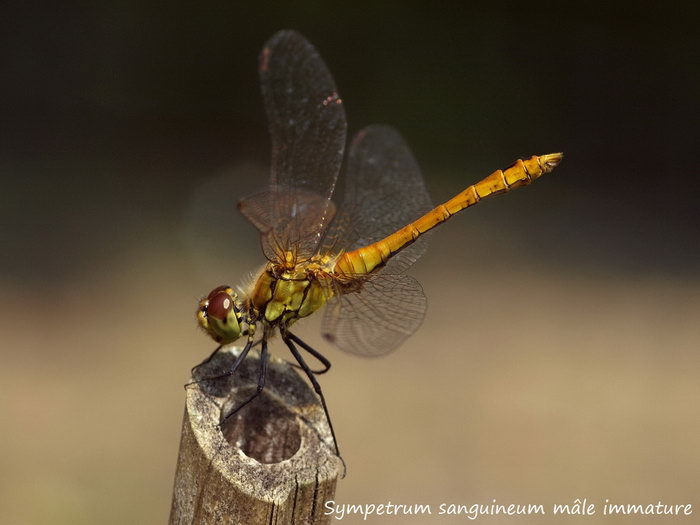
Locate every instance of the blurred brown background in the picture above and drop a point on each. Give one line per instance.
(559, 358)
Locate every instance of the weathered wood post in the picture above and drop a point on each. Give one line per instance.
(273, 462)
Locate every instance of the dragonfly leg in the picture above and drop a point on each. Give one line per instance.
(261, 383)
(324, 361)
(216, 351)
(233, 368)
(286, 337)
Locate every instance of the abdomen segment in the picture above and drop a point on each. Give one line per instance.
(368, 258)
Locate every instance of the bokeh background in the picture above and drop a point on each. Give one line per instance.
(560, 355)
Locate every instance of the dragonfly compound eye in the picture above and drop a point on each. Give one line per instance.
(220, 316)
(219, 289)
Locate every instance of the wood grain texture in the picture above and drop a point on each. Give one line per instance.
(271, 463)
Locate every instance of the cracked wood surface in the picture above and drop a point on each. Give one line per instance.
(271, 463)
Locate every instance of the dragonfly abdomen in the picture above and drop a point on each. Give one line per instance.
(373, 256)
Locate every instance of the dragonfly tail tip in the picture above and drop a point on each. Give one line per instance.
(551, 161)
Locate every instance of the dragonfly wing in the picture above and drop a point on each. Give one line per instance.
(307, 125)
(384, 191)
(287, 220)
(376, 319)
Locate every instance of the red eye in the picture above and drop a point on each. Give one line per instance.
(224, 288)
(220, 305)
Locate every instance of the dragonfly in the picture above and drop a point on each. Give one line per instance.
(350, 260)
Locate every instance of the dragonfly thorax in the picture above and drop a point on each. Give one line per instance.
(283, 293)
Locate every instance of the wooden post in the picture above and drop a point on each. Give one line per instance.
(273, 462)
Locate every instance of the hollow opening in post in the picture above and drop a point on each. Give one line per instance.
(264, 429)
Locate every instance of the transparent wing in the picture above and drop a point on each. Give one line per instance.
(384, 191)
(287, 220)
(378, 317)
(308, 131)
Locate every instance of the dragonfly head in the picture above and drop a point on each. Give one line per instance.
(219, 314)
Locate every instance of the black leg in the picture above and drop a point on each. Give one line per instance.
(233, 368)
(286, 337)
(207, 359)
(261, 382)
(324, 361)
(216, 351)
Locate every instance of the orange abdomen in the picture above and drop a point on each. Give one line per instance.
(368, 258)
